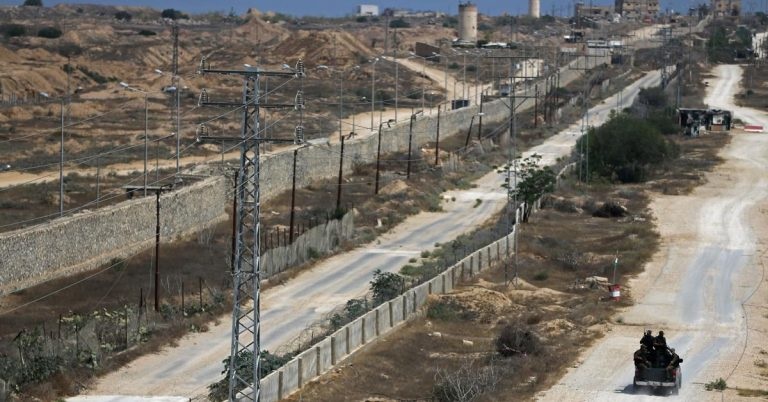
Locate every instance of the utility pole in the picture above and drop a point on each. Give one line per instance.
(341, 175)
(176, 103)
(246, 311)
(410, 143)
(293, 195)
(61, 162)
(437, 138)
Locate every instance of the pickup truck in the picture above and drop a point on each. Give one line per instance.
(657, 377)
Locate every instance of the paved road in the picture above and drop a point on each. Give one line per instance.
(288, 309)
(694, 287)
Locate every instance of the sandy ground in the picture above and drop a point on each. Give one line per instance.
(289, 309)
(704, 287)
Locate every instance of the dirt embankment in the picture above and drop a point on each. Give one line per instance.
(565, 264)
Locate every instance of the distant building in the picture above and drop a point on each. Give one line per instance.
(367, 10)
(637, 9)
(406, 13)
(467, 23)
(427, 51)
(534, 8)
(585, 11)
(726, 8)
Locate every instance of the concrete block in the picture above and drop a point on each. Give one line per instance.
(397, 309)
(355, 336)
(369, 327)
(326, 356)
(270, 387)
(448, 280)
(384, 320)
(436, 284)
(290, 381)
(308, 365)
(421, 292)
(339, 345)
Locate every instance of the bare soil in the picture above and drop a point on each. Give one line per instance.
(559, 251)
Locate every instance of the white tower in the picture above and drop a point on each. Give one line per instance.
(467, 23)
(534, 8)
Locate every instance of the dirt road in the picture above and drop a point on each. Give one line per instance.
(288, 309)
(694, 287)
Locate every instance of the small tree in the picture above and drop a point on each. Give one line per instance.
(399, 23)
(33, 3)
(13, 30)
(123, 16)
(49, 32)
(514, 340)
(385, 286)
(535, 182)
(173, 14)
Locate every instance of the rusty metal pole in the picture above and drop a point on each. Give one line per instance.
(437, 140)
(157, 250)
(293, 196)
(341, 175)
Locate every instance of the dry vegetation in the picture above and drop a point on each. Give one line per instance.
(557, 299)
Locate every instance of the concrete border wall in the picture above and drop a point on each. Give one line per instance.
(90, 239)
(346, 341)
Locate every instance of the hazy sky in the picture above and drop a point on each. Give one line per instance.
(342, 7)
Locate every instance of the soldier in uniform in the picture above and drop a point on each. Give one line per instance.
(641, 357)
(647, 340)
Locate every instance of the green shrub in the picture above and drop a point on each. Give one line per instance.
(173, 14)
(13, 30)
(515, 340)
(123, 16)
(145, 32)
(49, 32)
(385, 286)
(33, 3)
(719, 385)
(399, 23)
(541, 276)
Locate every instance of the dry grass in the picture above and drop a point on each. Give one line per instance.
(566, 312)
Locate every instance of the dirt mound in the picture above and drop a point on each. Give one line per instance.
(486, 303)
(336, 48)
(555, 327)
(397, 186)
(7, 56)
(256, 29)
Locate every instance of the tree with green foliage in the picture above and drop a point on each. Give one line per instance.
(13, 30)
(219, 390)
(386, 286)
(49, 32)
(123, 16)
(653, 97)
(624, 148)
(535, 181)
(173, 14)
(33, 3)
(399, 23)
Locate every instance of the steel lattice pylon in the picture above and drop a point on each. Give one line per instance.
(246, 317)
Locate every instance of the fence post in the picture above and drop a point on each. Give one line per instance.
(333, 350)
(301, 372)
(280, 385)
(317, 360)
(363, 331)
(378, 331)
(346, 334)
(391, 318)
